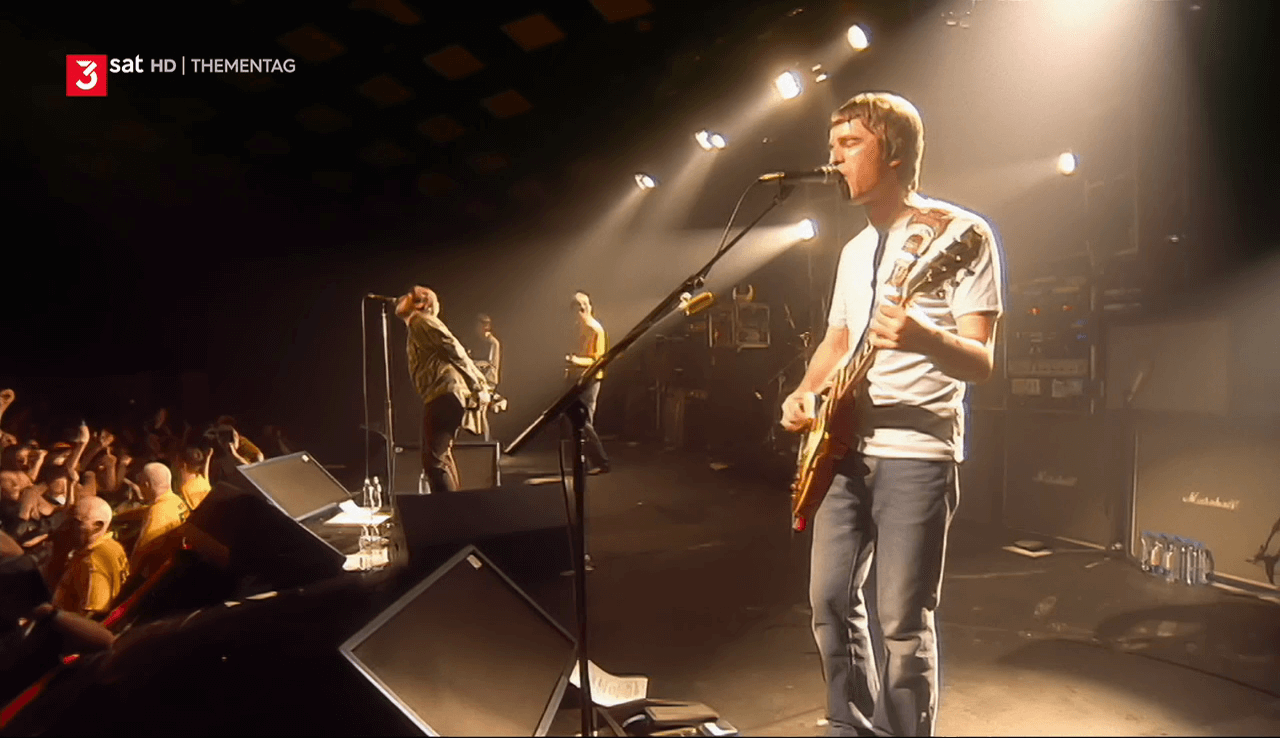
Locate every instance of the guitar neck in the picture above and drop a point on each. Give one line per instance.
(853, 371)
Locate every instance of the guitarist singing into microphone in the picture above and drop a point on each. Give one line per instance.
(896, 435)
(454, 392)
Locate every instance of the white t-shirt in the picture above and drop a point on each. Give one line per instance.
(914, 410)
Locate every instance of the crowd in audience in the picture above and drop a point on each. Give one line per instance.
(89, 515)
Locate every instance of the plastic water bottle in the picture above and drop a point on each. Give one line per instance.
(375, 499)
(423, 487)
(1186, 568)
(1194, 562)
(1147, 544)
(1206, 564)
(1169, 568)
(1157, 555)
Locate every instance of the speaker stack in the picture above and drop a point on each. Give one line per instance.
(1204, 442)
(1059, 465)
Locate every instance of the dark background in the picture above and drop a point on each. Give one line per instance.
(203, 227)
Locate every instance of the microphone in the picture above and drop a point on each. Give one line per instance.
(822, 175)
(384, 298)
(692, 305)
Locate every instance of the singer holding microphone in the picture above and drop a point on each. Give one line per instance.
(454, 392)
(895, 492)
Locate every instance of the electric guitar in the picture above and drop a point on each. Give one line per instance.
(830, 435)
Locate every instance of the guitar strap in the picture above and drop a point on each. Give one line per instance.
(934, 223)
(875, 286)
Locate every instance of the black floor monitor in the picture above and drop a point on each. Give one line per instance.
(296, 483)
(467, 653)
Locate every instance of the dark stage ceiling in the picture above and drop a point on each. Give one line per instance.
(473, 111)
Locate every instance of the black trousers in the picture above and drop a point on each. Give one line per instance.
(441, 419)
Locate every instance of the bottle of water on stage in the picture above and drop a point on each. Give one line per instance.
(1184, 561)
(377, 495)
(1169, 567)
(1158, 544)
(1148, 543)
(1204, 568)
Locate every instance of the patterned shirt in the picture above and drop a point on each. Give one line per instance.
(439, 366)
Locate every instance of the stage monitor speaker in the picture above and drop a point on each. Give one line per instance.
(524, 529)
(265, 547)
(1061, 472)
(477, 463)
(1214, 481)
(297, 484)
(467, 653)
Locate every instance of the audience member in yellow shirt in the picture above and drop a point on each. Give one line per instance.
(194, 472)
(165, 511)
(97, 568)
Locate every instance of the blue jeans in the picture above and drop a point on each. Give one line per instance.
(595, 453)
(884, 521)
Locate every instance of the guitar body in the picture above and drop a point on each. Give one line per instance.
(820, 452)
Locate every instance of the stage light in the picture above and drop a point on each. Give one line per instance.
(789, 85)
(645, 182)
(1067, 163)
(822, 77)
(807, 229)
(710, 141)
(858, 38)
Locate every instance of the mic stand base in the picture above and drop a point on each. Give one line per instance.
(577, 414)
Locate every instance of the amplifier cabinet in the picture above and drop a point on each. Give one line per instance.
(478, 464)
(1061, 477)
(1212, 480)
(982, 472)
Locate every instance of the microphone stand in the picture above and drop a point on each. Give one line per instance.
(387, 413)
(364, 384)
(571, 406)
(388, 433)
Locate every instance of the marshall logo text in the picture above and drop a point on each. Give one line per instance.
(1195, 499)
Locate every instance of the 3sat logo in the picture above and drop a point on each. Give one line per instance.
(86, 75)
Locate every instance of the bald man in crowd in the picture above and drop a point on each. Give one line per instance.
(97, 568)
(165, 511)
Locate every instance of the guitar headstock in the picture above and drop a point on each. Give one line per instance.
(937, 268)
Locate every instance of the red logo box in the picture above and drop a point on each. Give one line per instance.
(86, 75)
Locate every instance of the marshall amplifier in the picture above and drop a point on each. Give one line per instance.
(1061, 477)
(982, 473)
(477, 462)
(1212, 480)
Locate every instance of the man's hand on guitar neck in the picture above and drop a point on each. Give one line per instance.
(798, 411)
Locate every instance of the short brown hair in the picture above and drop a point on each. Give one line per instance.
(896, 124)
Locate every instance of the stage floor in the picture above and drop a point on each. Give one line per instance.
(700, 585)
